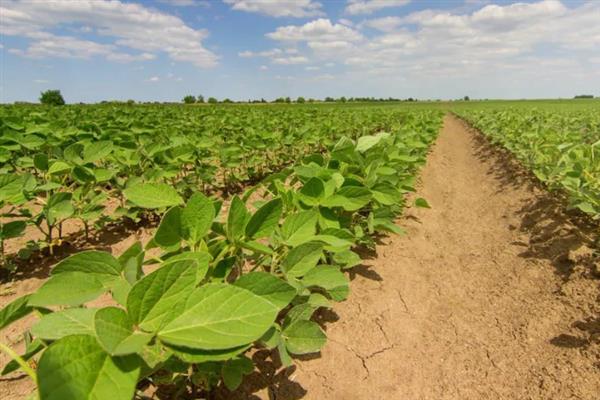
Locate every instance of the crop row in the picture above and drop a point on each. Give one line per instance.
(71, 163)
(562, 149)
(227, 281)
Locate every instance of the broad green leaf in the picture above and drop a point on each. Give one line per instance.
(97, 151)
(350, 198)
(152, 195)
(14, 310)
(364, 143)
(77, 368)
(160, 293)
(58, 167)
(219, 316)
(72, 321)
(196, 356)
(264, 220)
(312, 192)
(59, 207)
(300, 227)
(12, 229)
(131, 261)
(33, 347)
(115, 333)
(168, 233)
(234, 371)
(40, 161)
(422, 203)
(302, 259)
(329, 278)
(101, 264)
(267, 286)
(237, 218)
(83, 174)
(67, 289)
(347, 259)
(201, 258)
(197, 217)
(386, 194)
(303, 337)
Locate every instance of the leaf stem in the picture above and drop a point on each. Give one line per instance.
(22, 363)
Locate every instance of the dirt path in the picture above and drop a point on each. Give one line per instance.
(487, 297)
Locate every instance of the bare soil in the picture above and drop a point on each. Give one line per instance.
(492, 294)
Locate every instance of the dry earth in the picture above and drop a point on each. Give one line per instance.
(490, 295)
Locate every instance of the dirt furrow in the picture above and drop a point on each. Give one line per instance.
(488, 297)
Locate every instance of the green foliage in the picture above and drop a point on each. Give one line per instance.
(189, 99)
(52, 98)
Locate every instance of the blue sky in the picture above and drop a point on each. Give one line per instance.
(162, 50)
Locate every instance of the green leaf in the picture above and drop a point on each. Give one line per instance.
(350, 198)
(347, 259)
(33, 347)
(197, 356)
(72, 321)
(329, 278)
(101, 264)
(58, 207)
(422, 203)
(152, 195)
(168, 233)
(67, 289)
(264, 221)
(300, 227)
(40, 161)
(220, 316)
(115, 333)
(197, 217)
(303, 337)
(312, 192)
(269, 287)
(97, 151)
(154, 297)
(364, 143)
(14, 310)
(58, 167)
(302, 259)
(234, 371)
(236, 219)
(386, 194)
(131, 260)
(12, 229)
(77, 368)
(83, 174)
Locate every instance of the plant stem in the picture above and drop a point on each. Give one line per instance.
(22, 363)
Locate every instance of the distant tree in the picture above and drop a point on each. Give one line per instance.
(466, 98)
(300, 100)
(189, 99)
(130, 102)
(584, 96)
(263, 100)
(227, 101)
(52, 98)
(288, 100)
(212, 100)
(342, 99)
(279, 100)
(329, 99)
(200, 99)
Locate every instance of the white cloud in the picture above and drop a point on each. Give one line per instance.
(263, 68)
(266, 53)
(154, 79)
(320, 30)
(132, 26)
(186, 3)
(356, 7)
(312, 68)
(278, 8)
(384, 24)
(290, 60)
(41, 81)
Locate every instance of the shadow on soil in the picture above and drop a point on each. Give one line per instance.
(567, 239)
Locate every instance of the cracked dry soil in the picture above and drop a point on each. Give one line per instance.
(490, 295)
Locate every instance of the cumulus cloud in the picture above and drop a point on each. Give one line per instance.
(277, 56)
(356, 7)
(290, 60)
(320, 30)
(131, 26)
(278, 8)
